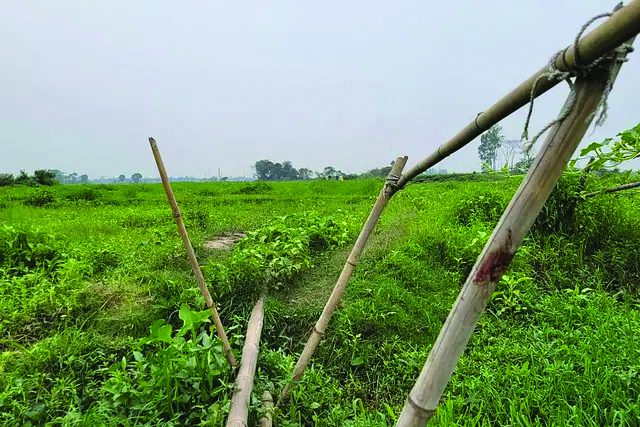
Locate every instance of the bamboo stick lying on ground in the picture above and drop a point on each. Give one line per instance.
(517, 219)
(316, 334)
(614, 189)
(267, 403)
(613, 32)
(239, 413)
(190, 253)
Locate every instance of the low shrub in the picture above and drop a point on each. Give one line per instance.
(255, 188)
(40, 197)
(485, 207)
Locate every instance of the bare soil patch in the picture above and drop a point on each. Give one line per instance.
(223, 242)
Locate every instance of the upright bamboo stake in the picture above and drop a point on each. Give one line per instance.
(239, 412)
(622, 26)
(190, 253)
(385, 195)
(497, 254)
(267, 403)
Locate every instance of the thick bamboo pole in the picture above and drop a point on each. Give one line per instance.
(239, 412)
(385, 195)
(497, 254)
(267, 403)
(190, 253)
(614, 189)
(623, 25)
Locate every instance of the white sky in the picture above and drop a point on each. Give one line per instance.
(223, 84)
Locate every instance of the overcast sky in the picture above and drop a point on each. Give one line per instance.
(351, 84)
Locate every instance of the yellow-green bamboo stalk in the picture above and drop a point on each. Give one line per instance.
(267, 403)
(239, 412)
(497, 254)
(385, 195)
(622, 26)
(190, 253)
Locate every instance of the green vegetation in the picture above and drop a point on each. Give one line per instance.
(102, 322)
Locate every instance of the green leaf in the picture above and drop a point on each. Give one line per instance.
(591, 147)
(138, 356)
(155, 326)
(357, 361)
(164, 333)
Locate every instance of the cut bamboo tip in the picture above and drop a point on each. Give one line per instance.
(191, 255)
(267, 404)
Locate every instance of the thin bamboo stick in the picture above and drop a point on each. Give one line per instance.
(385, 195)
(497, 254)
(623, 25)
(267, 403)
(239, 413)
(614, 189)
(190, 253)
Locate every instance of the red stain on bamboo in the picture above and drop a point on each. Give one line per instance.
(495, 263)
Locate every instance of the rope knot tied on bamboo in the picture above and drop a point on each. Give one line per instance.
(578, 69)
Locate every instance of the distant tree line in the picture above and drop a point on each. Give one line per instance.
(39, 177)
(49, 177)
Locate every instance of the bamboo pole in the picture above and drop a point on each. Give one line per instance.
(239, 412)
(190, 253)
(497, 254)
(623, 25)
(385, 195)
(614, 189)
(267, 403)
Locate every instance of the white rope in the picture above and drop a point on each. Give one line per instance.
(579, 70)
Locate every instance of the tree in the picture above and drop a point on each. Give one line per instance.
(288, 172)
(264, 169)
(44, 177)
(6, 179)
(490, 143)
(136, 177)
(25, 179)
(304, 173)
(84, 178)
(509, 149)
(73, 176)
(329, 171)
(122, 178)
(523, 165)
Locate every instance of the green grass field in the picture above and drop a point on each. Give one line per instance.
(101, 323)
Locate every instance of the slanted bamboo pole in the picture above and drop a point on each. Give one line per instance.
(614, 189)
(239, 412)
(385, 195)
(267, 403)
(623, 25)
(497, 254)
(190, 253)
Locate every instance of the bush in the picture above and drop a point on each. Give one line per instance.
(255, 188)
(25, 179)
(486, 207)
(84, 193)
(271, 256)
(173, 378)
(40, 198)
(44, 177)
(23, 249)
(558, 213)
